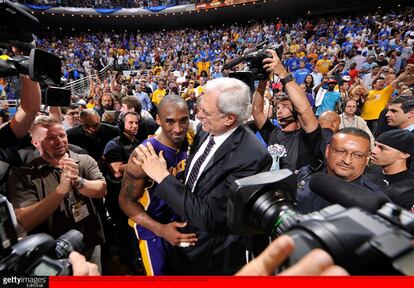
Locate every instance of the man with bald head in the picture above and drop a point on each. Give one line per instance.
(156, 225)
(92, 135)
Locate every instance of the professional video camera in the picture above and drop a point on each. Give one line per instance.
(16, 30)
(38, 254)
(254, 60)
(361, 242)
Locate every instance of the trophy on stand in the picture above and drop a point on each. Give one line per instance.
(277, 151)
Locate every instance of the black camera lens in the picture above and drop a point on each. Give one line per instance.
(68, 242)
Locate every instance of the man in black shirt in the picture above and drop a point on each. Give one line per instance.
(390, 155)
(92, 135)
(300, 133)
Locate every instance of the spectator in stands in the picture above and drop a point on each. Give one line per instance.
(4, 112)
(70, 116)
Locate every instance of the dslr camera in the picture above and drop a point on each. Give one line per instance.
(361, 242)
(254, 61)
(16, 31)
(37, 254)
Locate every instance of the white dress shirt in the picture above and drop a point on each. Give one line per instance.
(219, 140)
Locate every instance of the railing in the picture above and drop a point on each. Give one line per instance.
(81, 86)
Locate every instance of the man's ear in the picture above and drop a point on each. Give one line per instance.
(410, 114)
(231, 119)
(35, 143)
(158, 120)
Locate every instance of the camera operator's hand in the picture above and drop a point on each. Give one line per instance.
(81, 267)
(317, 262)
(274, 65)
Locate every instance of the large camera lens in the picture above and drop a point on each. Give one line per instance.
(68, 242)
(272, 211)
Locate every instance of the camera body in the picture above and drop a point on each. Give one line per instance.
(16, 31)
(254, 61)
(37, 254)
(361, 242)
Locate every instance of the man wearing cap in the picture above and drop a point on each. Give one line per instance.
(391, 154)
(367, 79)
(330, 99)
(381, 61)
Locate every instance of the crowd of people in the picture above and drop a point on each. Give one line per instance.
(105, 3)
(145, 159)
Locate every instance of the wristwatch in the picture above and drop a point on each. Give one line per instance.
(287, 79)
(78, 183)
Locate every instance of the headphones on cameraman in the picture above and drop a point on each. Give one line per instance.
(121, 124)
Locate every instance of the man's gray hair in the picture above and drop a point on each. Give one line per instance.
(234, 97)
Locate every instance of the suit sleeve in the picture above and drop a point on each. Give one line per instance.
(209, 213)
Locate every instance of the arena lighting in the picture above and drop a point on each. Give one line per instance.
(63, 15)
(82, 15)
(107, 16)
(116, 16)
(124, 16)
(53, 14)
(32, 12)
(73, 15)
(43, 13)
(100, 16)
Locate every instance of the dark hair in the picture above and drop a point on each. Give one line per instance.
(355, 132)
(407, 102)
(376, 80)
(132, 102)
(122, 121)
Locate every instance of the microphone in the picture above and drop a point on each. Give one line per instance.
(233, 62)
(347, 194)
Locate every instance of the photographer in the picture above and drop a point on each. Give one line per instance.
(13, 132)
(300, 132)
(52, 193)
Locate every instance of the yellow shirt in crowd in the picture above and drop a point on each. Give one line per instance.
(158, 95)
(376, 102)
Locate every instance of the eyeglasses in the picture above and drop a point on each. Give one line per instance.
(354, 155)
